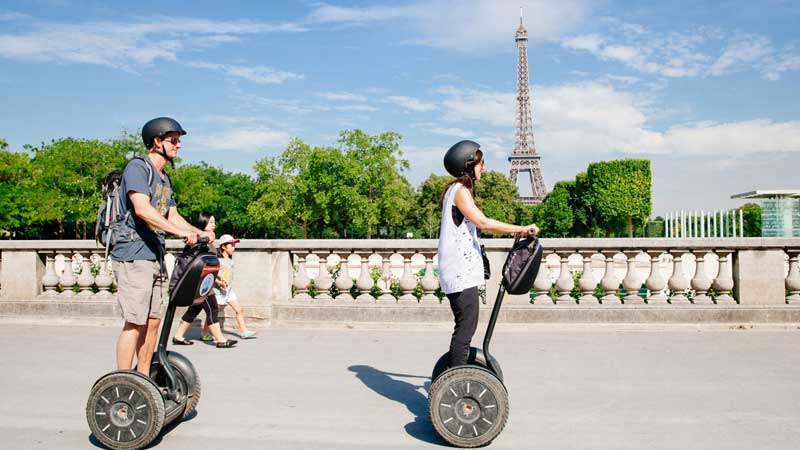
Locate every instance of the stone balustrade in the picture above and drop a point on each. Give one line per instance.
(356, 274)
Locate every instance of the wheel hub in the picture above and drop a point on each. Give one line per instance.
(121, 414)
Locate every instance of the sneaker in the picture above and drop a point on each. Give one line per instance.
(248, 335)
(227, 344)
(207, 338)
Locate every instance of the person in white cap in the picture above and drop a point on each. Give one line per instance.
(224, 288)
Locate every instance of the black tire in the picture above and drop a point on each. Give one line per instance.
(188, 382)
(468, 406)
(125, 410)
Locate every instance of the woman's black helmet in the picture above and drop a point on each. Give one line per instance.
(159, 127)
(456, 159)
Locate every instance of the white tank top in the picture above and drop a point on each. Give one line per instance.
(460, 262)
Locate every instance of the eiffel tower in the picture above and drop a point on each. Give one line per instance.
(525, 158)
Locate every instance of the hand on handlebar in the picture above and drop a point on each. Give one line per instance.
(209, 234)
(190, 238)
(531, 231)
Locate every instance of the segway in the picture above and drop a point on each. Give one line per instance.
(468, 405)
(127, 410)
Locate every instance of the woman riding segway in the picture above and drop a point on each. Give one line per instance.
(461, 266)
(468, 402)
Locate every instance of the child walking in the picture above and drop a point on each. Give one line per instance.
(224, 287)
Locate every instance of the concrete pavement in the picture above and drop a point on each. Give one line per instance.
(571, 387)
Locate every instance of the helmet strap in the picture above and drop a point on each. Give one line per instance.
(163, 153)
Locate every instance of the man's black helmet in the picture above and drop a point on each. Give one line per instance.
(459, 155)
(159, 127)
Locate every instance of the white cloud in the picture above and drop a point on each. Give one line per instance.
(410, 103)
(746, 50)
(356, 107)
(247, 140)
(466, 24)
(451, 131)
(699, 52)
(343, 96)
(595, 118)
(256, 74)
(122, 45)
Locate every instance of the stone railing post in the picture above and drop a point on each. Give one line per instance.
(588, 281)
(631, 282)
(301, 280)
(678, 283)
(21, 275)
(323, 282)
(408, 281)
(565, 283)
(386, 296)
(758, 277)
(364, 282)
(343, 281)
(429, 281)
(542, 285)
(793, 277)
(655, 281)
(610, 283)
(700, 282)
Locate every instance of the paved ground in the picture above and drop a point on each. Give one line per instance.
(586, 387)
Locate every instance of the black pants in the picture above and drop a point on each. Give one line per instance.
(209, 305)
(465, 313)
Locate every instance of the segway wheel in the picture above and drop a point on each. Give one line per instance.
(188, 382)
(125, 410)
(468, 406)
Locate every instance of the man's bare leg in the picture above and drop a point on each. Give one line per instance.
(145, 353)
(128, 344)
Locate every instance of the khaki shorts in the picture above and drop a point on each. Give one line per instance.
(140, 292)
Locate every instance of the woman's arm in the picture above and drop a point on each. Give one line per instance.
(464, 202)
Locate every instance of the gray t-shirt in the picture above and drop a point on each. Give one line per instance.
(134, 179)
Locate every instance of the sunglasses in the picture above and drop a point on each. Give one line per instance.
(173, 140)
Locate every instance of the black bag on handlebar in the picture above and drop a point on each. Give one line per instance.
(522, 266)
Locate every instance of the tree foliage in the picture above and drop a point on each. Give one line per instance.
(620, 193)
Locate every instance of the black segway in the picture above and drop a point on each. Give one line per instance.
(127, 410)
(468, 405)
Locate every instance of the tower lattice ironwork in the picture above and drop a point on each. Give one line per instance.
(524, 157)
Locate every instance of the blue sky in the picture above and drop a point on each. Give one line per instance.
(707, 90)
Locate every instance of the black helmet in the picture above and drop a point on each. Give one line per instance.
(459, 155)
(159, 127)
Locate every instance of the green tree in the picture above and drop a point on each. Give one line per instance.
(751, 214)
(497, 197)
(72, 171)
(554, 215)
(620, 193)
(429, 204)
(381, 189)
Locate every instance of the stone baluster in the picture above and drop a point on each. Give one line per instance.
(542, 285)
(323, 282)
(365, 282)
(50, 279)
(85, 279)
(67, 278)
(655, 281)
(104, 279)
(700, 282)
(610, 283)
(565, 283)
(678, 283)
(793, 277)
(343, 281)
(723, 283)
(631, 282)
(429, 281)
(408, 281)
(386, 296)
(588, 281)
(301, 280)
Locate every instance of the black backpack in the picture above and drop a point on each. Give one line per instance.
(522, 266)
(109, 222)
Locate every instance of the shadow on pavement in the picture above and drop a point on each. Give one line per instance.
(405, 393)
